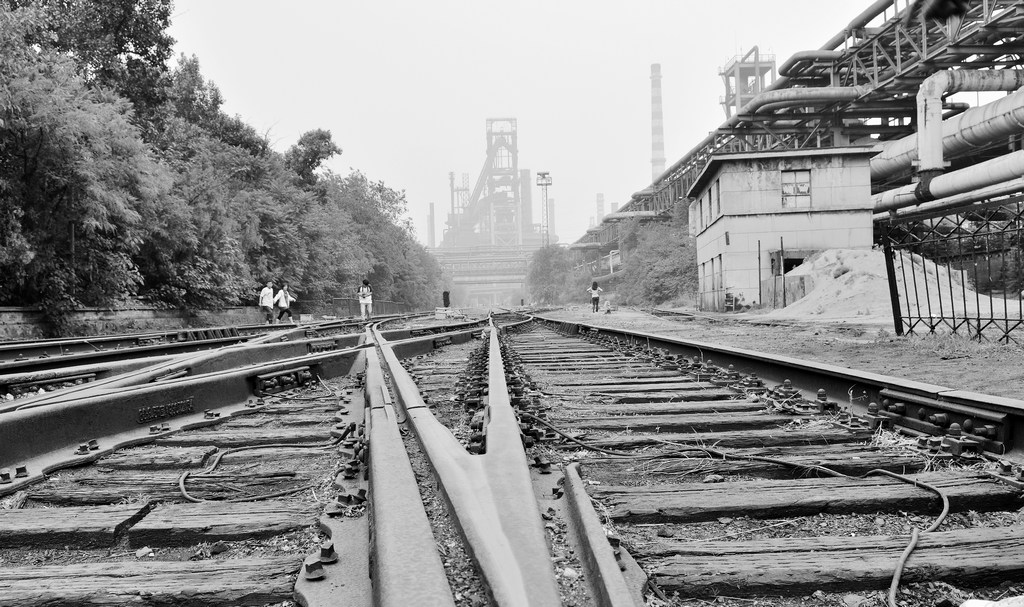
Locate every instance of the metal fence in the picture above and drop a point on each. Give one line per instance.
(961, 273)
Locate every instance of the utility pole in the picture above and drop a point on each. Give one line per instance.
(544, 180)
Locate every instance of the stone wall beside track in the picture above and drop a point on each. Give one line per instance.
(26, 323)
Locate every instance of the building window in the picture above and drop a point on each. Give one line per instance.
(718, 198)
(796, 189)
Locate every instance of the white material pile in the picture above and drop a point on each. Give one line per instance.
(851, 285)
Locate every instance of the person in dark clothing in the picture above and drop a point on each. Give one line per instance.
(595, 295)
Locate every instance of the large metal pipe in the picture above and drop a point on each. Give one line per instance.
(929, 107)
(781, 97)
(812, 57)
(981, 175)
(861, 20)
(619, 215)
(973, 128)
(957, 201)
(798, 96)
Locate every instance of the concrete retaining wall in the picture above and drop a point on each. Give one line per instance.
(26, 323)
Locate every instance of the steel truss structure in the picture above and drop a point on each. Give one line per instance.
(880, 59)
(493, 214)
(490, 234)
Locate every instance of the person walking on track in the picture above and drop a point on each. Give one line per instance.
(595, 295)
(365, 300)
(266, 302)
(284, 301)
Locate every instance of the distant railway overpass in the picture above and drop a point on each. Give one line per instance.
(486, 275)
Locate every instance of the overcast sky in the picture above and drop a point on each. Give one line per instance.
(406, 87)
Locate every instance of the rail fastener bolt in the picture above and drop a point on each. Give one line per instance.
(894, 408)
(312, 568)
(542, 464)
(327, 552)
(956, 444)
(876, 421)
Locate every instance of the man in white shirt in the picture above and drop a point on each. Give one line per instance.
(267, 302)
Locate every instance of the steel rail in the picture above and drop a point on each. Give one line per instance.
(403, 565)
(200, 363)
(491, 495)
(407, 566)
(64, 346)
(106, 363)
(44, 438)
(854, 388)
(607, 585)
(41, 363)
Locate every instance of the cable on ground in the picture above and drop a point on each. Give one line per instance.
(220, 455)
(915, 533)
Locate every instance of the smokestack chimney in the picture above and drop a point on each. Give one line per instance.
(430, 227)
(657, 124)
(600, 208)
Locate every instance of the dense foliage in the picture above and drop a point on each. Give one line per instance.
(121, 176)
(662, 267)
(546, 277)
(658, 266)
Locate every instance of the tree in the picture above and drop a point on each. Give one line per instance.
(119, 177)
(548, 274)
(385, 250)
(663, 265)
(122, 45)
(75, 177)
(306, 156)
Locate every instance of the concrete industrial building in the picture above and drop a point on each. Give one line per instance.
(757, 215)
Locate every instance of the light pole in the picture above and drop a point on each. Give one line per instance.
(544, 180)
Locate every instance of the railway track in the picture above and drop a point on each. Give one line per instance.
(28, 368)
(699, 468)
(540, 463)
